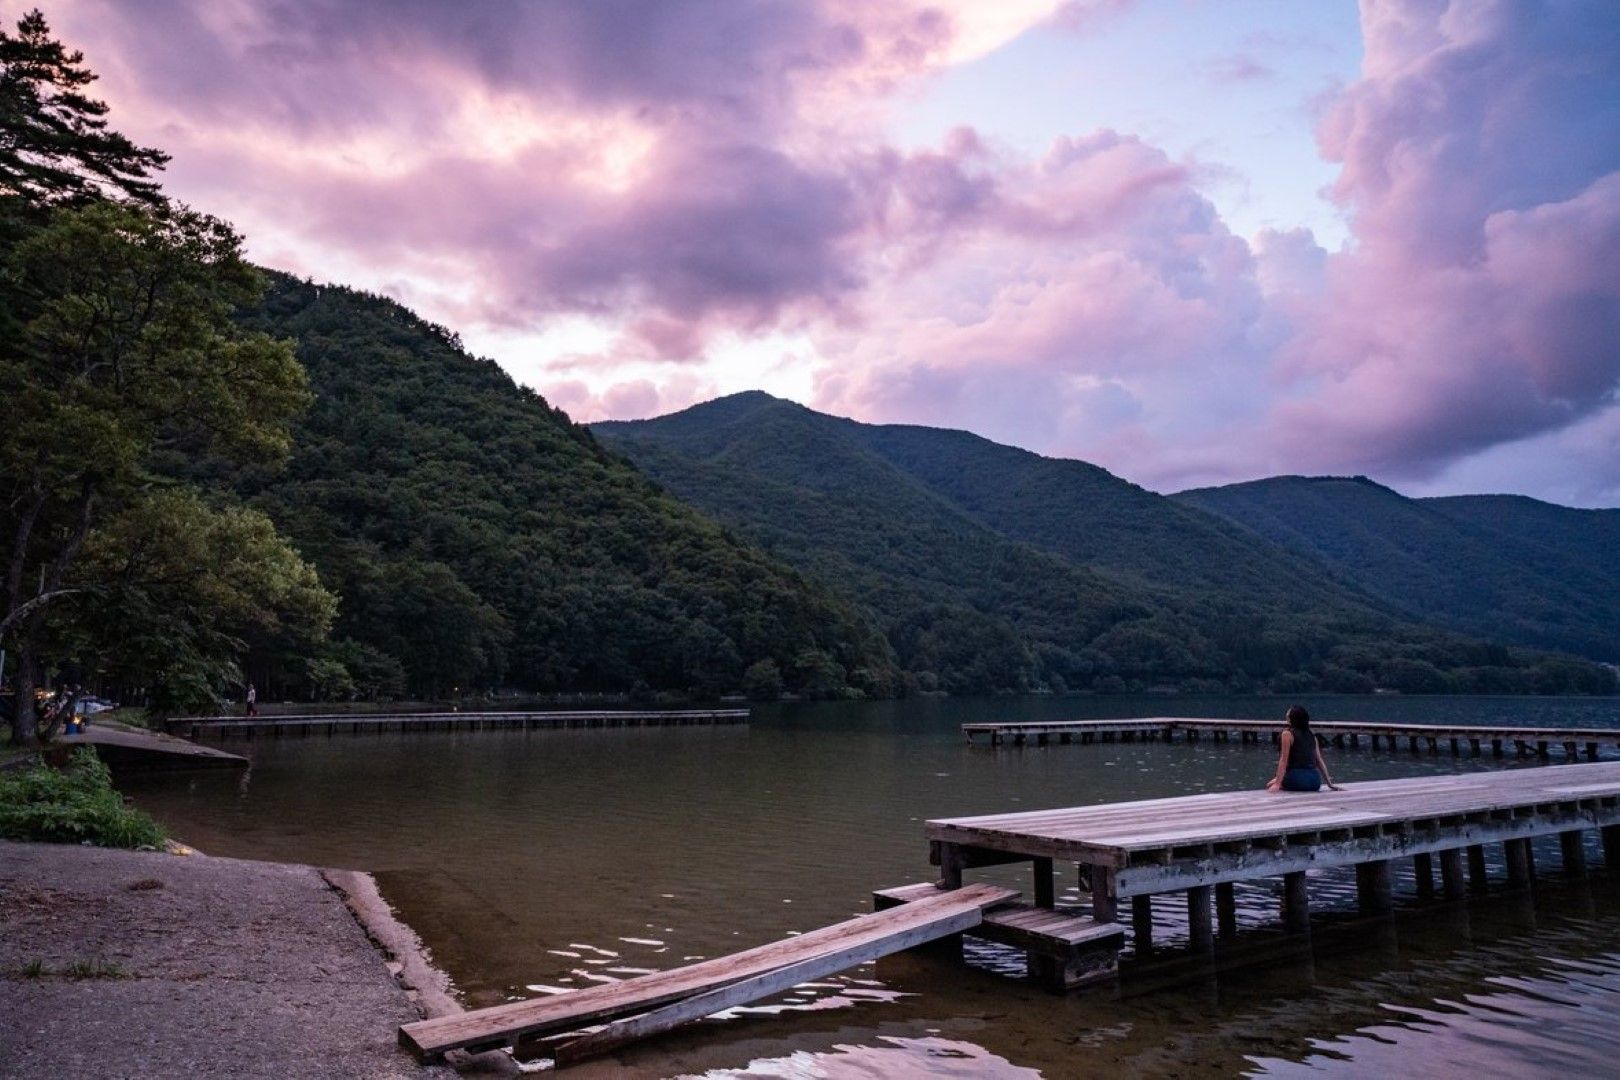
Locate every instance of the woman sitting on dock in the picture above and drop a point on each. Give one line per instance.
(1300, 766)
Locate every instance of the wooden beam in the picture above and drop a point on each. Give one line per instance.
(1296, 909)
(1517, 855)
(1478, 875)
(1142, 924)
(1226, 909)
(1373, 891)
(1045, 894)
(1104, 894)
(1451, 874)
(1198, 918)
(663, 1018)
(1573, 851)
(1423, 870)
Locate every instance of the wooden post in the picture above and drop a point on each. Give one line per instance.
(1423, 867)
(1104, 900)
(1297, 903)
(1473, 745)
(950, 866)
(1045, 895)
(1142, 924)
(1478, 877)
(1373, 887)
(1570, 751)
(1456, 747)
(1573, 853)
(1591, 751)
(1517, 853)
(1198, 918)
(1611, 847)
(1451, 874)
(1496, 747)
(1226, 909)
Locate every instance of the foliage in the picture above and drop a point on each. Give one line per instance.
(72, 805)
(117, 344)
(55, 144)
(995, 570)
(478, 539)
(1504, 567)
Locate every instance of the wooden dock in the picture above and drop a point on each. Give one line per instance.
(652, 1003)
(1201, 845)
(1419, 738)
(355, 723)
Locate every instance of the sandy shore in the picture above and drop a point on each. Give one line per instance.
(135, 964)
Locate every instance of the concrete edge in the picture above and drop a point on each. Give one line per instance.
(429, 989)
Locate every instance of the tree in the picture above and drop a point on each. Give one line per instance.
(55, 145)
(126, 352)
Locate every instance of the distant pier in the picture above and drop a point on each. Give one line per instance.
(356, 723)
(1418, 738)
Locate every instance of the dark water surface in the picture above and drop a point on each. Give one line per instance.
(538, 860)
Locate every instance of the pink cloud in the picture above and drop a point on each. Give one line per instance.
(697, 172)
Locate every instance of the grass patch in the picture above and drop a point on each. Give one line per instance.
(34, 969)
(74, 805)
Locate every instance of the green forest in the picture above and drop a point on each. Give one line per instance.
(993, 569)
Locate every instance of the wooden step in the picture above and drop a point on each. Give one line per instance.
(1053, 931)
(841, 945)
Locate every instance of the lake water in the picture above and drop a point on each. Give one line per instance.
(536, 860)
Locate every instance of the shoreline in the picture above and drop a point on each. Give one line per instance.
(148, 964)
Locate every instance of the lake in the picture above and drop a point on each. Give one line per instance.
(536, 860)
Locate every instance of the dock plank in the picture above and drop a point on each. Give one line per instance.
(502, 1025)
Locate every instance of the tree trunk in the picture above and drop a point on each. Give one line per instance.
(24, 724)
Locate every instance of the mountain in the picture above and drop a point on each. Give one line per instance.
(476, 537)
(1499, 566)
(1062, 573)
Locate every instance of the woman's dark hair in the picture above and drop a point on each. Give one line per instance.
(1298, 718)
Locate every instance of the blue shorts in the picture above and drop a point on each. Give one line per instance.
(1302, 780)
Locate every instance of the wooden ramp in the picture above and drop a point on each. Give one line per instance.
(665, 999)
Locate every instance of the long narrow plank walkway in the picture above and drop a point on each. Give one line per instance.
(824, 951)
(1458, 739)
(354, 723)
(1194, 843)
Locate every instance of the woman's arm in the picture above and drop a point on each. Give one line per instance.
(1322, 767)
(1275, 783)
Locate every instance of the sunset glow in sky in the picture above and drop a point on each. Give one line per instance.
(1192, 241)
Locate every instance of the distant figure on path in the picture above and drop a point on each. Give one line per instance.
(1300, 766)
(252, 701)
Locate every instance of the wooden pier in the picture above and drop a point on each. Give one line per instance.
(1419, 738)
(355, 723)
(1198, 846)
(1201, 845)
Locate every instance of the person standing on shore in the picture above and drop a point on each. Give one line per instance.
(1300, 766)
(252, 701)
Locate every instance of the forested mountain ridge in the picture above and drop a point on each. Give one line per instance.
(1080, 578)
(478, 538)
(1503, 566)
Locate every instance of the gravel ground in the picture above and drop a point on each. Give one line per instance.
(197, 966)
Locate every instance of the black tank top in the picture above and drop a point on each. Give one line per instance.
(1302, 752)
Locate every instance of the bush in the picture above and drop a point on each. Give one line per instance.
(72, 805)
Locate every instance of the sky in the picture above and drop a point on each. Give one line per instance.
(1193, 241)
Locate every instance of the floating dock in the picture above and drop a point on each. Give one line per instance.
(1459, 739)
(355, 723)
(1201, 845)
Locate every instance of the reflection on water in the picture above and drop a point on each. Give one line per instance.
(537, 862)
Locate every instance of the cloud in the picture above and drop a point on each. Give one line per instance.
(719, 172)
